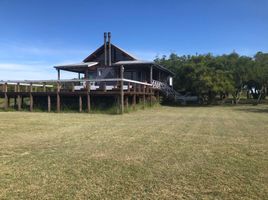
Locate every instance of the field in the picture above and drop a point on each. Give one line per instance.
(161, 153)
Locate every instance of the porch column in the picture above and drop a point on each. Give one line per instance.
(121, 89)
(151, 88)
(86, 74)
(58, 74)
(151, 74)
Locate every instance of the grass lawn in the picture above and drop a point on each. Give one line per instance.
(160, 153)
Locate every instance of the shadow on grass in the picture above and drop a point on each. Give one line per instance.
(253, 110)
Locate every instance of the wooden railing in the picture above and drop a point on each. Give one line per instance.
(72, 85)
(18, 89)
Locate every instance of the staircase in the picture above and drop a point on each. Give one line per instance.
(172, 94)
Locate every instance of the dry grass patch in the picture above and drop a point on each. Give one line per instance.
(162, 153)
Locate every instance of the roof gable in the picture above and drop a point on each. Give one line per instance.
(117, 54)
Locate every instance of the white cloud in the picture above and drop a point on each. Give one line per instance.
(148, 54)
(16, 71)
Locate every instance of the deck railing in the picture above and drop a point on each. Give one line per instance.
(73, 85)
(32, 89)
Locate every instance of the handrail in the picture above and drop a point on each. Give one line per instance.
(74, 80)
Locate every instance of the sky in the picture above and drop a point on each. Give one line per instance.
(36, 35)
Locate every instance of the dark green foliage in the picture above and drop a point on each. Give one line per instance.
(209, 76)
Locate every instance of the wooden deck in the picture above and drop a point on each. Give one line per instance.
(123, 89)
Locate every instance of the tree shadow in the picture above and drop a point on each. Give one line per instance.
(253, 110)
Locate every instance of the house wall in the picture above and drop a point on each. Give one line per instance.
(137, 73)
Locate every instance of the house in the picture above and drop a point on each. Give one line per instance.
(109, 74)
(105, 63)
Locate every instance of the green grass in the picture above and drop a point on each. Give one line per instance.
(161, 153)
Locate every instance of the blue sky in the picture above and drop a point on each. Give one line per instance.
(35, 35)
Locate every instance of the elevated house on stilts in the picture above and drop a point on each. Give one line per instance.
(107, 73)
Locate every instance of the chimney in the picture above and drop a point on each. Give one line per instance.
(109, 49)
(105, 49)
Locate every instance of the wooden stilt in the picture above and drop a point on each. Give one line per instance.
(6, 97)
(80, 103)
(22, 101)
(19, 97)
(134, 97)
(143, 97)
(126, 102)
(31, 97)
(58, 97)
(48, 103)
(8, 101)
(19, 103)
(15, 102)
(151, 96)
(58, 102)
(88, 103)
(88, 96)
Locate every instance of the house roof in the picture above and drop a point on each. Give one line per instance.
(76, 67)
(101, 48)
(144, 62)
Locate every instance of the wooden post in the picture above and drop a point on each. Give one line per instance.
(48, 103)
(134, 97)
(86, 74)
(31, 97)
(104, 87)
(72, 86)
(8, 101)
(143, 98)
(122, 89)
(58, 74)
(88, 96)
(128, 87)
(6, 97)
(3, 87)
(58, 97)
(80, 103)
(15, 102)
(126, 102)
(151, 74)
(44, 87)
(150, 87)
(19, 97)
(151, 95)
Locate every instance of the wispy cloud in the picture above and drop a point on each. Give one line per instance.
(19, 51)
(27, 61)
(147, 54)
(30, 71)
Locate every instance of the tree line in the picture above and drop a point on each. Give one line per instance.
(222, 76)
